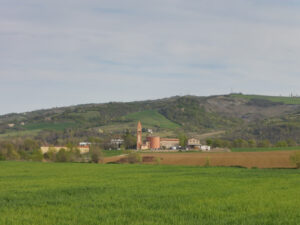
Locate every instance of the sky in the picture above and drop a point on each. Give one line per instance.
(57, 53)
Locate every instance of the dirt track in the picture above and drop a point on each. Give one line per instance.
(276, 159)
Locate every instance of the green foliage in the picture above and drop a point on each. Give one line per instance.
(183, 140)
(2, 156)
(192, 116)
(295, 159)
(265, 149)
(96, 154)
(279, 99)
(264, 144)
(252, 143)
(62, 193)
(24, 155)
(129, 140)
(291, 142)
(8, 151)
(50, 155)
(240, 143)
(13, 155)
(37, 156)
(30, 145)
(219, 143)
(68, 155)
(281, 144)
(209, 142)
(134, 157)
(62, 156)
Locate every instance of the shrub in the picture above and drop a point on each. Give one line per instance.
(37, 155)
(96, 154)
(2, 157)
(24, 155)
(295, 159)
(134, 157)
(264, 144)
(252, 143)
(13, 154)
(62, 156)
(281, 144)
(50, 155)
(8, 151)
(291, 143)
(74, 155)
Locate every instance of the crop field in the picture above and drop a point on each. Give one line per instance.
(265, 149)
(272, 159)
(152, 118)
(285, 100)
(67, 194)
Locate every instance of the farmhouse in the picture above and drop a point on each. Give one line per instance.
(193, 143)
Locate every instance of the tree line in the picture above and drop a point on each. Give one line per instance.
(251, 143)
(29, 150)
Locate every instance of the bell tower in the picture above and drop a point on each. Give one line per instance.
(139, 141)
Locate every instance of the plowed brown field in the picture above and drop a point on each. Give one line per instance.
(276, 159)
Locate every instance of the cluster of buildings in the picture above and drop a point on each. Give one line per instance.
(156, 142)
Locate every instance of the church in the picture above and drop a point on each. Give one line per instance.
(154, 142)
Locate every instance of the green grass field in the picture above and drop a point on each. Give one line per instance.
(265, 149)
(20, 133)
(50, 126)
(73, 193)
(285, 100)
(152, 118)
(34, 128)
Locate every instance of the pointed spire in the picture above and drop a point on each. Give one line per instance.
(139, 126)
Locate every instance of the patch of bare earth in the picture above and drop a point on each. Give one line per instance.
(244, 159)
(276, 159)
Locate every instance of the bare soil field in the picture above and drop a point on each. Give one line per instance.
(276, 159)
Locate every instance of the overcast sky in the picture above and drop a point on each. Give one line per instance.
(58, 53)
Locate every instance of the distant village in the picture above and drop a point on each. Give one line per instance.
(150, 143)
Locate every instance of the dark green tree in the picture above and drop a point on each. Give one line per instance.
(129, 140)
(183, 140)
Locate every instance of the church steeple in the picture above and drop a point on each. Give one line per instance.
(139, 141)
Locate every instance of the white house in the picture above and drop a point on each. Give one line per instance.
(205, 148)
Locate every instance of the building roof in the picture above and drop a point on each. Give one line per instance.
(169, 139)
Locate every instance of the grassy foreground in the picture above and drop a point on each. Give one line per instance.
(67, 194)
